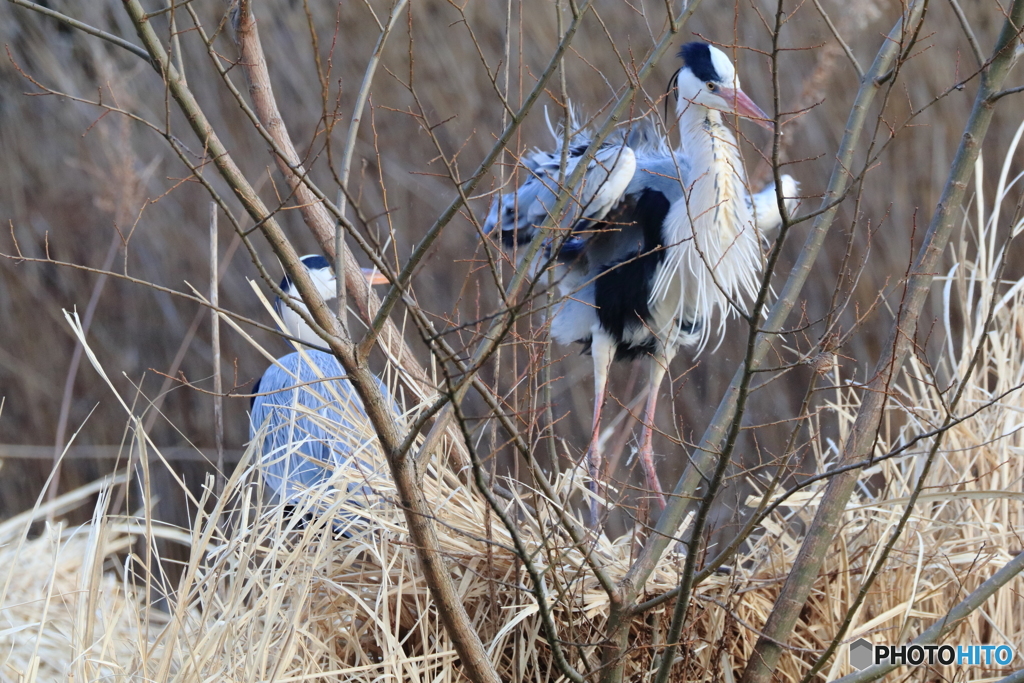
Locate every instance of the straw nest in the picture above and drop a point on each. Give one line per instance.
(263, 598)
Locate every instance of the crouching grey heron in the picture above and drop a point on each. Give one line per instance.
(665, 245)
(310, 424)
(322, 274)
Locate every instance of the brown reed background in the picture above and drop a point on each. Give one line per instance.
(72, 181)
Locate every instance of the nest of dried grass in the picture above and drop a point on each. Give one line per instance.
(262, 598)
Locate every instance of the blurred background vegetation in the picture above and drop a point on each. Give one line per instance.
(90, 189)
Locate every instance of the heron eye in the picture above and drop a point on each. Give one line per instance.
(711, 86)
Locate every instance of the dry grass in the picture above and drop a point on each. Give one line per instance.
(261, 599)
(69, 178)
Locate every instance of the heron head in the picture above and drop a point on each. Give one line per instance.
(320, 271)
(708, 79)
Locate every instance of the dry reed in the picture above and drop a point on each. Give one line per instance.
(263, 599)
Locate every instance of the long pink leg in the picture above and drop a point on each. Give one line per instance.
(602, 348)
(659, 365)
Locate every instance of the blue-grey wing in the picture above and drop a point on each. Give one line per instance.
(664, 173)
(312, 423)
(519, 213)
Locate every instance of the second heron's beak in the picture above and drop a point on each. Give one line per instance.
(745, 107)
(374, 276)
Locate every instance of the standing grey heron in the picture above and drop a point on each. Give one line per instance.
(672, 249)
(311, 425)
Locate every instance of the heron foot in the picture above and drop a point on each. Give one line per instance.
(651, 474)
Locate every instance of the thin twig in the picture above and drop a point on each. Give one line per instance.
(702, 460)
(839, 39)
(351, 137)
(821, 534)
(922, 479)
(76, 360)
(218, 384)
(158, 288)
(1003, 93)
(946, 624)
(968, 32)
(86, 28)
(550, 630)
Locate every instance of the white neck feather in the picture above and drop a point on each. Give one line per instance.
(714, 254)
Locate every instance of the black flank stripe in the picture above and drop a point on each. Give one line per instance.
(623, 290)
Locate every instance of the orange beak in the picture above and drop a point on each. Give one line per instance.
(745, 107)
(374, 277)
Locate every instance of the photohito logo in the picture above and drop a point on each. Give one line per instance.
(863, 654)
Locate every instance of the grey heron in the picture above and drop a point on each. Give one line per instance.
(322, 274)
(672, 248)
(310, 423)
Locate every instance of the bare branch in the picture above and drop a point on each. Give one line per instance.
(91, 30)
(995, 97)
(968, 32)
(922, 478)
(550, 630)
(353, 132)
(858, 448)
(839, 39)
(703, 459)
(418, 517)
(944, 626)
